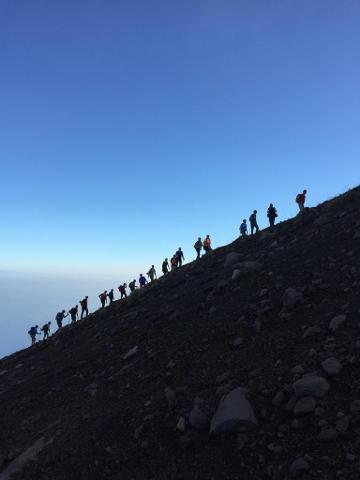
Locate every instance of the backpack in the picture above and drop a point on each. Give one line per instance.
(58, 317)
(243, 228)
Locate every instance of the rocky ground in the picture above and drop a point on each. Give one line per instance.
(243, 365)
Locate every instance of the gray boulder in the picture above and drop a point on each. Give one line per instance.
(292, 297)
(311, 386)
(234, 414)
(231, 258)
(304, 405)
(298, 467)
(332, 366)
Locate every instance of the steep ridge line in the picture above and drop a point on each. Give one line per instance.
(262, 313)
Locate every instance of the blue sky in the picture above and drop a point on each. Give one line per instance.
(129, 128)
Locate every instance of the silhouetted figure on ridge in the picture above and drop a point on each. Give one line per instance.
(272, 214)
(253, 222)
(111, 295)
(243, 228)
(122, 290)
(207, 244)
(132, 286)
(180, 257)
(174, 262)
(198, 246)
(60, 317)
(46, 329)
(165, 267)
(84, 307)
(142, 281)
(74, 314)
(103, 298)
(152, 273)
(33, 332)
(300, 200)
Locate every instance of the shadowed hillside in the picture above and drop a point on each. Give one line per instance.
(129, 393)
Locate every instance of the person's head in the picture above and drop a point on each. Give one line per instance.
(199, 238)
(255, 211)
(49, 323)
(141, 274)
(134, 281)
(86, 297)
(152, 266)
(105, 291)
(77, 307)
(63, 311)
(36, 326)
(244, 220)
(179, 248)
(304, 192)
(271, 205)
(166, 259)
(207, 236)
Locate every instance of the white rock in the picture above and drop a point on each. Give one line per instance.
(133, 351)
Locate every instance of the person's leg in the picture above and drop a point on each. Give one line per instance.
(87, 312)
(256, 227)
(252, 229)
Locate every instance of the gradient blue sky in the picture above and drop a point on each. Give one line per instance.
(129, 128)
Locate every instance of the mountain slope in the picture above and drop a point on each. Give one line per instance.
(74, 408)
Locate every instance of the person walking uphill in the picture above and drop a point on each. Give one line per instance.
(198, 246)
(243, 228)
(60, 317)
(103, 298)
(165, 267)
(46, 329)
(111, 295)
(84, 307)
(272, 214)
(142, 281)
(300, 200)
(74, 314)
(132, 286)
(253, 222)
(122, 290)
(152, 273)
(33, 332)
(174, 262)
(180, 257)
(207, 244)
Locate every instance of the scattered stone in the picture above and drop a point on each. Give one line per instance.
(170, 397)
(311, 385)
(331, 366)
(304, 405)
(221, 378)
(234, 414)
(327, 434)
(133, 351)
(241, 441)
(336, 322)
(181, 425)
(232, 258)
(298, 467)
(342, 424)
(238, 341)
(198, 419)
(278, 399)
(298, 370)
(292, 297)
(257, 326)
(91, 389)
